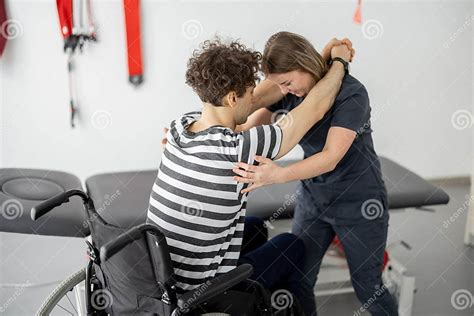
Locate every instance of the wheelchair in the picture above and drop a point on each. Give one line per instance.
(129, 272)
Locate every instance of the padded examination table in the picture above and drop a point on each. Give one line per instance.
(122, 198)
(405, 189)
(21, 189)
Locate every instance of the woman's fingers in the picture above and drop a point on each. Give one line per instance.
(243, 173)
(347, 42)
(248, 189)
(251, 188)
(326, 52)
(164, 140)
(243, 180)
(245, 190)
(263, 160)
(335, 42)
(246, 167)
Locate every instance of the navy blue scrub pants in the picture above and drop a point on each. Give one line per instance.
(278, 262)
(364, 246)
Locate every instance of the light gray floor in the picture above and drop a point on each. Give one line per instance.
(438, 259)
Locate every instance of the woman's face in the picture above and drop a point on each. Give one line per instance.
(296, 82)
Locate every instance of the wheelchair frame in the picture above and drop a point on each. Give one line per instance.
(178, 305)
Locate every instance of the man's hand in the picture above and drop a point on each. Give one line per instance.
(326, 52)
(164, 140)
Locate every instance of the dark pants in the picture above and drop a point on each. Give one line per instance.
(278, 262)
(364, 246)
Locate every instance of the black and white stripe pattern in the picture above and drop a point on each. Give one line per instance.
(196, 202)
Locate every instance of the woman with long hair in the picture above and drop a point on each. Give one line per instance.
(341, 192)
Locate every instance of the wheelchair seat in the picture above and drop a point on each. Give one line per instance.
(135, 269)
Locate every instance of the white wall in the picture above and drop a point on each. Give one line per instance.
(469, 231)
(418, 73)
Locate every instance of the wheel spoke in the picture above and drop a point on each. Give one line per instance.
(67, 296)
(65, 310)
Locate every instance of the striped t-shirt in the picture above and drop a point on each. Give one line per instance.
(195, 201)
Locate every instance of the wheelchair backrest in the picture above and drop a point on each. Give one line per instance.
(137, 276)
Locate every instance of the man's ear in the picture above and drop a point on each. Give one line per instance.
(230, 99)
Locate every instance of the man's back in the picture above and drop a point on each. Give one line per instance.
(196, 202)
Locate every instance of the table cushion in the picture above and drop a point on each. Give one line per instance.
(21, 189)
(405, 189)
(121, 198)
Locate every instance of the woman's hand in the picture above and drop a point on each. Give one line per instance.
(326, 52)
(164, 140)
(267, 172)
(341, 51)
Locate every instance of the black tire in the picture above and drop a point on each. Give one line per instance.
(67, 285)
(61, 291)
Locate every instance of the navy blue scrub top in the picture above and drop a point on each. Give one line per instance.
(354, 191)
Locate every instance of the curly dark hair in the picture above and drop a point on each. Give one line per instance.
(218, 68)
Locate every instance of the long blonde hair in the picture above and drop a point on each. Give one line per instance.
(286, 51)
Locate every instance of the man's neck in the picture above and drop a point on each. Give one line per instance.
(213, 115)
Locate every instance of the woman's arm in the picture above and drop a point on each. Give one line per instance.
(338, 142)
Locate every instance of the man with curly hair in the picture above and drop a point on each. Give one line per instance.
(195, 200)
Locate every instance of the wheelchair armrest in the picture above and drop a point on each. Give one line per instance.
(213, 287)
(131, 235)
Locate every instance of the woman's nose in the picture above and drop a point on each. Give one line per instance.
(284, 89)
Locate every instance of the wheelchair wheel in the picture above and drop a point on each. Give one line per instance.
(68, 297)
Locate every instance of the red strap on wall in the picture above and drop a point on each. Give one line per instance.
(3, 26)
(132, 24)
(65, 17)
(358, 14)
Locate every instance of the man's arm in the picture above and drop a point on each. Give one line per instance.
(262, 116)
(265, 94)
